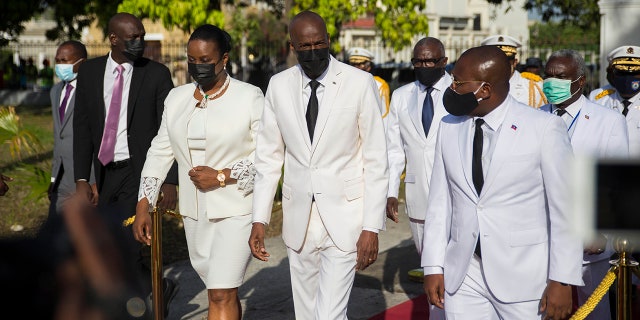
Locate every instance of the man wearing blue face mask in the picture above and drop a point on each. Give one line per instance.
(497, 240)
(594, 132)
(622, 92)
(69, 56)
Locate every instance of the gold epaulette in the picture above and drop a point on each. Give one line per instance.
(604, 93)
(531, 76)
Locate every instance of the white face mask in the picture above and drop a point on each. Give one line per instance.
(64, 71)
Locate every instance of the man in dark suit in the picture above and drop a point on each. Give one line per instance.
(118, 110)
(69, 56)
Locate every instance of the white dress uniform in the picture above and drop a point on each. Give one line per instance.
(624, 59)
(526, 88)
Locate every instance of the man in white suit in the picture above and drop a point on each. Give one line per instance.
(596, 132)
(322, 121)
(498, 184)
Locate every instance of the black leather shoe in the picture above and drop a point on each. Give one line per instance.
(169, 290)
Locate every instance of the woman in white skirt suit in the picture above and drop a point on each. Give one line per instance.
(209, 128)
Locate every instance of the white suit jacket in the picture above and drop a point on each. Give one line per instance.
(407, 143)
(232, 124)
(345, 169)
(521, 216)
(613, 101)
(599, 133)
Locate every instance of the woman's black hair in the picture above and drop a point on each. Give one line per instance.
(210, 32)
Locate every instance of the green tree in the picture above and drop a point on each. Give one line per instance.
(185, 15)
(397, 20)
(13, 14)
(582, 13)
(557, 36)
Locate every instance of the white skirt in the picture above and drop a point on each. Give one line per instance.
(219, 249)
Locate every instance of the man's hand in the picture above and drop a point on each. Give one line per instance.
(3, 185)
(94, 194)
(556, 301)
(142, 225)
(83, 190)
(434, 288)
(256, 242)
(392, 209)
(367, 247)
(169, 197)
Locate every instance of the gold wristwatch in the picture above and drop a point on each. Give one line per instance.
(221, 177)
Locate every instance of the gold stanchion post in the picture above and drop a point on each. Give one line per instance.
(156, 264)
(625, 266)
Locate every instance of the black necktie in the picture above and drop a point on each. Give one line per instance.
(312, 108)
(560, 112)
(476, 167)
(626, 104)
(427, 111)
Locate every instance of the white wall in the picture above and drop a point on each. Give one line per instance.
(613, 33)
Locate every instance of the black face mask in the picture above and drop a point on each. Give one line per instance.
(133, 49)
(428, 76)
(627, 85)
(203, 73)
(313, 62)
(460, 104)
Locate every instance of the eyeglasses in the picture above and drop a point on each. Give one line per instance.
(456, 83)
(430, 63)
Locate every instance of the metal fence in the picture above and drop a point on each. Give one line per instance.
(392, 65)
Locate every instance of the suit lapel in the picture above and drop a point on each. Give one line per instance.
(504, 144)
(137, 78)
(464, 143)
(331, 86)
(582, 128)
(415, 111)
(55, 102)
(299, 107)
(99, 93)
(68, 113)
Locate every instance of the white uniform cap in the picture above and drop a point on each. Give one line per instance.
(504, 42)
(359, 55)
(625, 58)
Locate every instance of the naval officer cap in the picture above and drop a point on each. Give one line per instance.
(625, 58)
(359, 55)
(507, 44)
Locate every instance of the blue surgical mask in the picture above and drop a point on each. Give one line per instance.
(558, 90)
(64, 71)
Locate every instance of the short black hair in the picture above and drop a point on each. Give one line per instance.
(210, 32)
(77, 46)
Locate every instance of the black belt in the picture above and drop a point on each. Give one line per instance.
(117, 164)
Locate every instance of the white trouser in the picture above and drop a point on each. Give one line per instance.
(321, 274)
(592, 275)
(474, 301)
(417, 231)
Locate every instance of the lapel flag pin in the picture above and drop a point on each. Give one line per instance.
(513, 126)
(586, 116)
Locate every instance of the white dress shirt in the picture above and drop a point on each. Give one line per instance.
(572, 111)
(110, 73)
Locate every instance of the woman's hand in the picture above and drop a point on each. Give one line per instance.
(204, 178)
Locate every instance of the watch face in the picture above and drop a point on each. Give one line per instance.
(221, 177)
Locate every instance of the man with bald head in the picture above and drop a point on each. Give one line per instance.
(118, 110)
(322, 122)
(497, 240)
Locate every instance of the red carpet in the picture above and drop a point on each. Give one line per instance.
(415, 308)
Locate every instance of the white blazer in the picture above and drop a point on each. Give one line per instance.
(407, 143)
(345, 169)
(232, 124)
(521, 216)
(613, 101)
(599, 133)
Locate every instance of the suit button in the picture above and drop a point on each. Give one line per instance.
(310, 194)
(480, 207)
(474, 234)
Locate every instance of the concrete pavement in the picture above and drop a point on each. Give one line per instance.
(266, 293)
